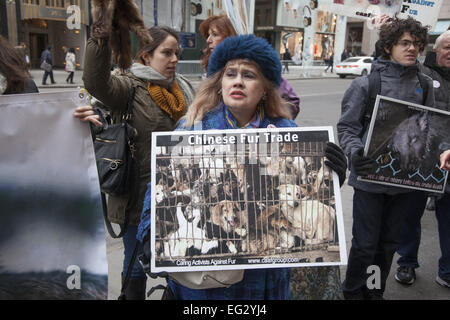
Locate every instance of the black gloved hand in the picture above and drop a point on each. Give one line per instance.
(337, 161)
(363, 165)
(146, 257)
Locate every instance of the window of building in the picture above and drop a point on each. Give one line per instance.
(323, 46)
(292, 41)
(354, 38)
(326, 22)
(74, 2)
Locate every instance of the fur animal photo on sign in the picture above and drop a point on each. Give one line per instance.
(406, 141)
(260, 202)
(112, 21)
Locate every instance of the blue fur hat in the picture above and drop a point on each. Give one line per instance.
(247, 47)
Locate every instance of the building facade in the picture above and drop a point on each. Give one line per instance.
(63, 24)
(304, 27)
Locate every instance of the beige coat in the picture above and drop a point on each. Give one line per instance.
(70, 62)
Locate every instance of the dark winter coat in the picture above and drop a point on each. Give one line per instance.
(441, 85)
(114, 91)
(397, 81)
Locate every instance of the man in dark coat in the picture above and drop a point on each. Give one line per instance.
(286, 59)
(344, 55)
(330, 63)
(436, 66)
(379, 210)
(47, 57)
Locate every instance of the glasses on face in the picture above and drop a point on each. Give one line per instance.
(406, 44)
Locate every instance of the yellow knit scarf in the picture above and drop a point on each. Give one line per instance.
(171, 101)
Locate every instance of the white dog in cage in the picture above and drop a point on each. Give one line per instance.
(188, 234)
(311, 220)
(293, 166)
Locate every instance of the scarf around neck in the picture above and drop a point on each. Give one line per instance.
(170, 100)
(254, 122)
(166, 92)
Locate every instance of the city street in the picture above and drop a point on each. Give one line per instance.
(320, 106)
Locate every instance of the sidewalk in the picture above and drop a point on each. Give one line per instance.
(59, 75)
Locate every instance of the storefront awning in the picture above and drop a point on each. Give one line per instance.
(440, 27)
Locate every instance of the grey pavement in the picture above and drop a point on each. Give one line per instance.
(320, 106)
(295, 73)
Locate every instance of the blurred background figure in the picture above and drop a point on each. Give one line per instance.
(47, 65)
(330, 63)
(70, 64)
(286, 59)
(14, 76)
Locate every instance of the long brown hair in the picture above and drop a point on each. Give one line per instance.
(159, 34)
(223, 25)
(13, 67)
(208, 97)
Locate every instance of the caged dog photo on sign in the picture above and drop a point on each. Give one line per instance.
(244, 201)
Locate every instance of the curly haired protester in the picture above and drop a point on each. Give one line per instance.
(379, 210)
(244, 73)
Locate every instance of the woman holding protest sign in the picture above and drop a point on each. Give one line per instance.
(244, 73)
(161, 97)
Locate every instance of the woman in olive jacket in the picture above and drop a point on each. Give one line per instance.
(161, 99)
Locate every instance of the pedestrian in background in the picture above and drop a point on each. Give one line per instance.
(23, 51)
(14, 76)
(70, 65)
(344, 55)
(47, 65)
(286, 59)
(437, 66)
(330, 63)
(379, 210)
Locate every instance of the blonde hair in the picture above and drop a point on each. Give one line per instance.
(208, 97)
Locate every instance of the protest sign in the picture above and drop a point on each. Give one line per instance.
(406, 140)
(244, 199)
(51, 227)
(426, 12)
